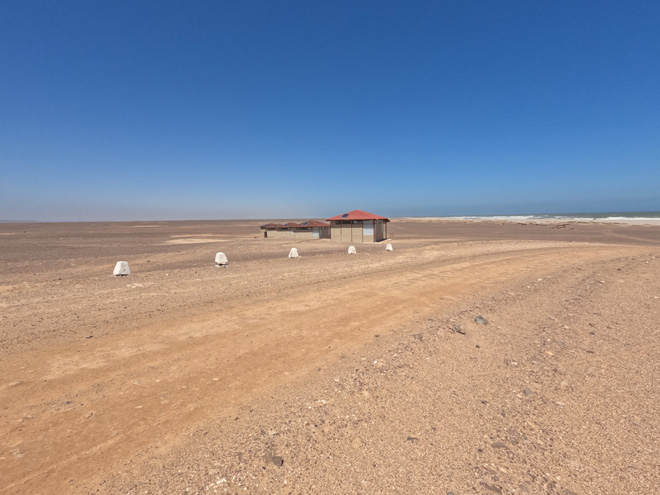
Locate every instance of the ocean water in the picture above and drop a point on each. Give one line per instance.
(621, 216)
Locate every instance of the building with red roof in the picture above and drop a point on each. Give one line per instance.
(358, 226)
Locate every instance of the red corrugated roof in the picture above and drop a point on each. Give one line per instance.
(314, 223)
(357, 215)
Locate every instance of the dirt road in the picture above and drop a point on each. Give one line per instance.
(139, 363)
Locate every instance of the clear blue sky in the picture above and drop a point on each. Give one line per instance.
(127, 110)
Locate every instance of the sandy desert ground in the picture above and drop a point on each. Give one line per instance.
(330, 373)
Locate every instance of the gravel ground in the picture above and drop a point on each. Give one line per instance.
(331, 373)
(557, 393)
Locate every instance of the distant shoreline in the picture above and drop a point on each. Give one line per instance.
(616, 218)
(651, 218)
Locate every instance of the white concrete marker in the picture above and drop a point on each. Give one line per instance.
(351, 250)
(389, 247)
(294, 253)
(221, 259)
(121, 268)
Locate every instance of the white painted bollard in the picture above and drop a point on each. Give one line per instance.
(221, 259)
(389, 247)
(294, 253)
(121, 268)
(351, 250)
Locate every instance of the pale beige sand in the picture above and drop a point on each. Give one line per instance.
(194, 240)
(186, 378)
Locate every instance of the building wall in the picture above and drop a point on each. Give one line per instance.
(321, 233)
(378, 231)
(335, 232)
(303, 234)
(279, 233)
(342, 232)
(368, 231)
(346, 235)
(363, 231)
(314, 233)
(356, 232)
